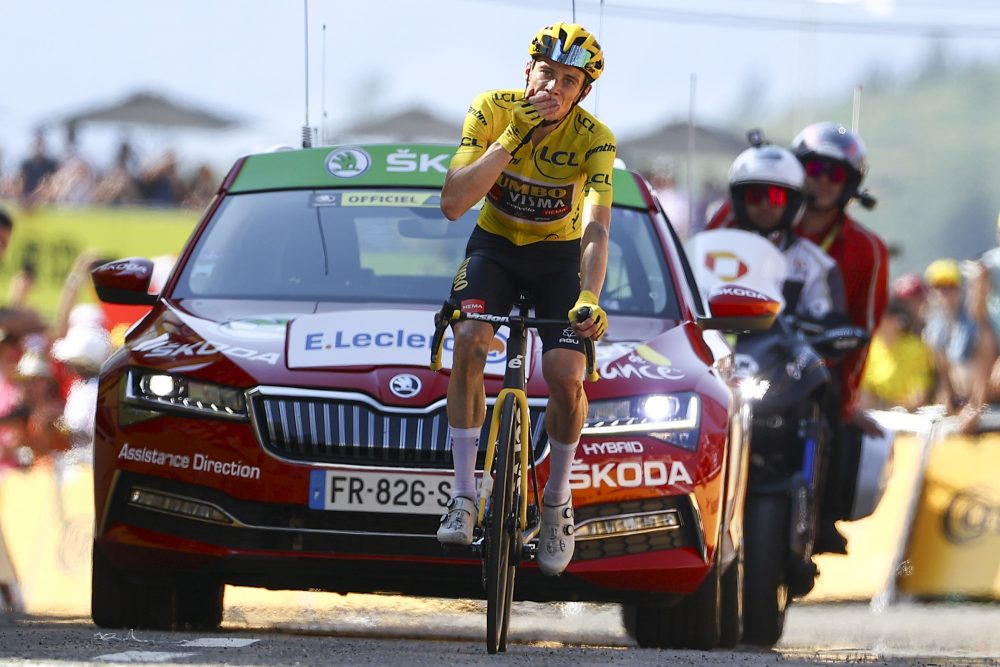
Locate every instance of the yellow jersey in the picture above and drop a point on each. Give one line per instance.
(541, 193)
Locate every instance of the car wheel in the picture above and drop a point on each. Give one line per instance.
(692, 623)
(200, 604)
(765, 586)
(731, 630)
(117, 602)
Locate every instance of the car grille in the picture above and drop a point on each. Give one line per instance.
(333, 427)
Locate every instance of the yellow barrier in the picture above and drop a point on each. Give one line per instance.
(872, 541)
(48, 525)
(954, 547)
(50, 239)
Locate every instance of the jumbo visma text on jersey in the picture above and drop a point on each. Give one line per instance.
(540, 195)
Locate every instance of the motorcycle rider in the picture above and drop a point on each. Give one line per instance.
(835, 161)
(766, 195)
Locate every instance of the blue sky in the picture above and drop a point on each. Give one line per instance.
(245, 57)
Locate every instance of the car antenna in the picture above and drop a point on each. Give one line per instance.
(322, 95)
(307, 131)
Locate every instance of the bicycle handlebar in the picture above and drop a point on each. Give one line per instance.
(450, 314)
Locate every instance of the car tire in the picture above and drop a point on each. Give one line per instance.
(693, 623)
(200, 604)
(731, 628)
(117, 602)
(765, 596)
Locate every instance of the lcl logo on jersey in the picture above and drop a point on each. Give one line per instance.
(555, 164)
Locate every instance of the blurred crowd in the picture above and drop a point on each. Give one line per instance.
(937, 344)
(71, 180)
(48, 381)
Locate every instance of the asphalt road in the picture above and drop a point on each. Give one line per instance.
(321, 629)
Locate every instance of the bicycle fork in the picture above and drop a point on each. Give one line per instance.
(523, 448)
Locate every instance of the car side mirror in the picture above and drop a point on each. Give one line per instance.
(125, 281)
(735, 309)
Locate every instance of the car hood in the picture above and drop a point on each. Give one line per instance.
(246, 342)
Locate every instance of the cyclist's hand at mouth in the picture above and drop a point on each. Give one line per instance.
(545, 102)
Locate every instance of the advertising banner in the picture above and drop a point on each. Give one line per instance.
(954, 547)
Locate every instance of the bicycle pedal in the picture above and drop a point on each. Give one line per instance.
(528, 551)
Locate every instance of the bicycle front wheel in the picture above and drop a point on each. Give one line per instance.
(502, 529)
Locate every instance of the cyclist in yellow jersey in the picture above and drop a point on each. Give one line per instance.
(544, 166)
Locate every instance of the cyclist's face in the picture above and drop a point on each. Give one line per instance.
(563, 82)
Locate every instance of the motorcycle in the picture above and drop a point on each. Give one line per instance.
(782, 374)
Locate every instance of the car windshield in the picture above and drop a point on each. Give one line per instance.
(384, 245)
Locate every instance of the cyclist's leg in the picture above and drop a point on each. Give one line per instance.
(563, 365)
(481, 285)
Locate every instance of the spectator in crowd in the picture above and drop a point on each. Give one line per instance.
(119, 186)
(673, 198)
(14, 318)
(203, 187)
(713, 195)
(910, 292)
(44, 434)
(983, 300)
(900, 367)
(161, 183)
(74, 181)
(84, 348)
(36, 170)
(951, 333)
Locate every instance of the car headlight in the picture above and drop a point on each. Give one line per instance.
(160, 391)
(673, 418)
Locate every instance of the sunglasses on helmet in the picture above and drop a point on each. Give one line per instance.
(775, 195)
(836, 171)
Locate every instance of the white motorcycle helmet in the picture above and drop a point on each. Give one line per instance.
(767, 165)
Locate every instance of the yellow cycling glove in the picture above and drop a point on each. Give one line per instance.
(588, 299)
(523, 122)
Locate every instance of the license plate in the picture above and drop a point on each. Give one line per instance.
(362, 491)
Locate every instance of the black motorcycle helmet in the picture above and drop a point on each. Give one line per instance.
(834, 142)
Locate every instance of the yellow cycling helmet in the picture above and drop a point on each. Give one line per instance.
(570, 44)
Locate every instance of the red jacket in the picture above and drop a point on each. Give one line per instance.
(864, 263)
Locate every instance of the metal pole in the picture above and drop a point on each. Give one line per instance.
(322, 118)
(306, 130)
(856, 112)
(690, 156)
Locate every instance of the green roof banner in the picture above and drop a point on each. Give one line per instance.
(395, 165)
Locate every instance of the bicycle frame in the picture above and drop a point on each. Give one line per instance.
(513, 383)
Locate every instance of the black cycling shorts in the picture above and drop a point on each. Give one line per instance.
(496, 270)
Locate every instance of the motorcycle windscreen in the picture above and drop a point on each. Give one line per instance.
(736, 257)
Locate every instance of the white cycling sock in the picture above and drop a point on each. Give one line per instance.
(464, 444)
(561, 457)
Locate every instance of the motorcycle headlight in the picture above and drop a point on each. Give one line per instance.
(164, 392)
(673, 418)
(753, 389)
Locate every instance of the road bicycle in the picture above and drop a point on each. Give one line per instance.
(508, 522)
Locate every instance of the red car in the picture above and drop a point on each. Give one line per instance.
(272, 421)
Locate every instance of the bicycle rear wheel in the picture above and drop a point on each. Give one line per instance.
(501, 531)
